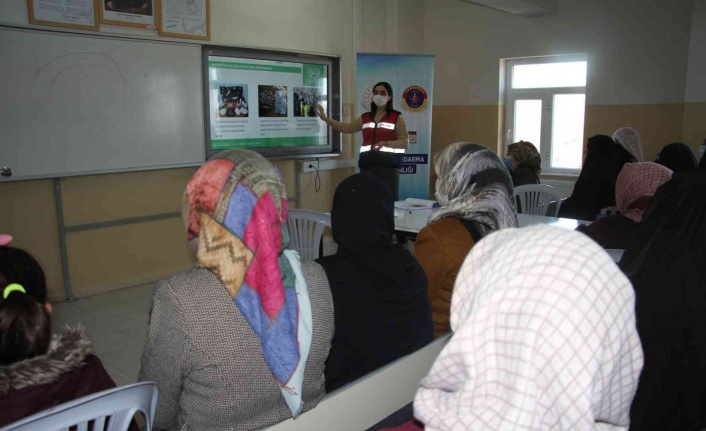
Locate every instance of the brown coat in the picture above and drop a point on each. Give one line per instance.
(441, 248)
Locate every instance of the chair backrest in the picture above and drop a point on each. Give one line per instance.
(609, 211)
(110, 410)
(535, 199)
(306, 228)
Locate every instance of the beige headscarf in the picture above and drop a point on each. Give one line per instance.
(544, 339)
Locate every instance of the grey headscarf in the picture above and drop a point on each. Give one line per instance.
(473, 184)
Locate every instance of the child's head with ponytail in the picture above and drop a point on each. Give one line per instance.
(25, 324)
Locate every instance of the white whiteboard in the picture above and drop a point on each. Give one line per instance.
(77, 104)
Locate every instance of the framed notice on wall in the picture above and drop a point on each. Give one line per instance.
(131, 13)
(185, 18)
(80, 14)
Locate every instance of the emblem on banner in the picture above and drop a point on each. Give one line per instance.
(414, 98)
(412, 137)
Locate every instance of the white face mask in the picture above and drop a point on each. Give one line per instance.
(380, 100)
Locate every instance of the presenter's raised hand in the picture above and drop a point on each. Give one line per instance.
(322, 112)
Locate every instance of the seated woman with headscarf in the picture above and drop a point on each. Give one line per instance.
(240, 341)
(628, 141)
(636, 185)
(379, 290)
(476, 198)
(524, 163)
(595, 187)
(677, 157)
(544, 339)
(666, 264)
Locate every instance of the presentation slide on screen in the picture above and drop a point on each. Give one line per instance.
(262, 103)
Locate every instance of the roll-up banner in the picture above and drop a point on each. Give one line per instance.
(412, 81)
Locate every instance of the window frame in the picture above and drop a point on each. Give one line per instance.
(546, 95)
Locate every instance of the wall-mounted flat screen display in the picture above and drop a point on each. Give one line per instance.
(266, 101)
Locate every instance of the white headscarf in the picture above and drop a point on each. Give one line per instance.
(629, 139)
(473, 184)
(544, 339)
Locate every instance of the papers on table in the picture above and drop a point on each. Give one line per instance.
(414, 204)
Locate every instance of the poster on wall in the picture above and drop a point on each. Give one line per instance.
(185, 18)
(131, 13)
(412, 81)
(256, 103)
(79, 14)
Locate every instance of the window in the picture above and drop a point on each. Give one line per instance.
(545, 104)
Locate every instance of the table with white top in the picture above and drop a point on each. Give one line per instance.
(413, 221)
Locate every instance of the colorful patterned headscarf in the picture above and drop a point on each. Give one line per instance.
(635, 186)
(550, 344)
(238, 212)
(525, 153)
(473, 184)
(629, 139)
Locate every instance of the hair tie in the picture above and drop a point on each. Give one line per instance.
(14, 287)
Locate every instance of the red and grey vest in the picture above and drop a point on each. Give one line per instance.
(378, 132)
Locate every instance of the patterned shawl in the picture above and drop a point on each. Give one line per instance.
(635, 186)
(525, 153)
(238, 212)
(628, 138)
(473, 184)
(544, 339)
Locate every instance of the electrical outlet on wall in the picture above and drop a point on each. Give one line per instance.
(325, 165)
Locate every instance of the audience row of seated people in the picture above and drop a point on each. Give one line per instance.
(548, 332)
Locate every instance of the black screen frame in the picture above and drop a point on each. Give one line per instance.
(333, 146)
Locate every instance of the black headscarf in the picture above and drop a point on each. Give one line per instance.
(666, 263)
(380, 293)
(595, 187)
(677, 157)
(363, 223)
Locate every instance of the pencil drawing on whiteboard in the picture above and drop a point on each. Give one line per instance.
(92, 83)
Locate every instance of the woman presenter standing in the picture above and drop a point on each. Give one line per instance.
(384, 136)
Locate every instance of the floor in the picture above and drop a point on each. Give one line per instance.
(116, 323)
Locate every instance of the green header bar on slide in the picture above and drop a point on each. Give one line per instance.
(256, 67)
(226, 144)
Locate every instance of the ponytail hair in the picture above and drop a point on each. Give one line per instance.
(25, 324)
(25, 328)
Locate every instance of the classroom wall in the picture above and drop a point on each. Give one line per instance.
(106, 259)
(637, 52)
(694, 127)
(645, 61)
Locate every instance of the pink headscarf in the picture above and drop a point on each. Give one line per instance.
(636, 181)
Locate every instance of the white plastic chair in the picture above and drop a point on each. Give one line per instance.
(306, 228)
(110, 410)
(535, 199)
